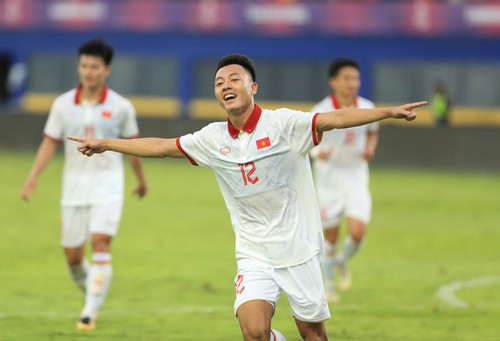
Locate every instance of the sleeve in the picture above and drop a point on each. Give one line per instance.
(373, 127)
(54, 126)
(196, 147)
(130, 129)
(300, 129)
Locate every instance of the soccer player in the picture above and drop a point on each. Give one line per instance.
(340, 168)
(260, 159)
(92, 191)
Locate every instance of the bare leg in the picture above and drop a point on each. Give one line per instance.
(352, 244)
(312, 330)
(255, 320)
(78, 266)
(331, 236)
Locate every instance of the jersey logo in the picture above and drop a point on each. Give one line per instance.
(106, 114)
(225, 150)
(263, 143)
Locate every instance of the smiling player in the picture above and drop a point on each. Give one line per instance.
(260, 159)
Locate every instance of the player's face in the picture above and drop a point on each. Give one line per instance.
(347, 82)
(93, 71)
(234, 88)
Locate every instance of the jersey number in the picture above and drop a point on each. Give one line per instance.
(89, 131)
(238, 284)
(247, 176)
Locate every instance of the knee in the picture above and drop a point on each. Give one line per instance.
(358, 236)
(74, 260)
(316, 336)
(101, 243)
(255, 333)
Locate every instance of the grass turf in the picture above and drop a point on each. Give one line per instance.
(174, 260)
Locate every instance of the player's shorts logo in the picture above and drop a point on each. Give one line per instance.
(225, 150)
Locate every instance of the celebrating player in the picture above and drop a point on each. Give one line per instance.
(340, 168)
(260, 159)
(92, 192)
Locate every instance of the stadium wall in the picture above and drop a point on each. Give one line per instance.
(400, 146)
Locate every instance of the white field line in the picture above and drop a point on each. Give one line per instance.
(159, 311)
(446, 293)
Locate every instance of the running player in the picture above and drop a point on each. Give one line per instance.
(92, 192)
(260, 159)
(340, 168)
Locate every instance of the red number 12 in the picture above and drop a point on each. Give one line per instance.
(247, 175)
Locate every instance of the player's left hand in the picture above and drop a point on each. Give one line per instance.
(407, 111)
(141, 190)
(88, 146)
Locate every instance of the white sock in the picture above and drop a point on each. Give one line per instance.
(276, 335)
(98, 282)
(79, 273)
(329, 264)
(349, 249)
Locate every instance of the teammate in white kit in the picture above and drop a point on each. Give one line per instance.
(260, 159)
(92, 191)
(340, 168)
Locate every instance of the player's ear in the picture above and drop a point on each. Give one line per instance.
(254, 88)
(331, 81)
(108, 70)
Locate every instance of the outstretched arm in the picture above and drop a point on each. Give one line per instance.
(345, 118)
(145, 147)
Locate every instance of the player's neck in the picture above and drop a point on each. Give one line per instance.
(91, 95)
(239, 117)
(346, 101)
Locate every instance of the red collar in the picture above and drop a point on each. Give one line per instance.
(249, 125)
(104, 94)
(336, 103)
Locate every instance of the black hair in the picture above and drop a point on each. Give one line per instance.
(99, 48)
(239, 59)
(338, 64)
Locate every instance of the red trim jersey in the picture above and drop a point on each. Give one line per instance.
(264, 174)
(100, 178)
(345, 169)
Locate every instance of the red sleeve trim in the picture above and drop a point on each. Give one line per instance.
(178, 142)
(52, 138)
(316, 136)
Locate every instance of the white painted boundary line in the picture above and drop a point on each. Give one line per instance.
(159, 311)
(446, 293)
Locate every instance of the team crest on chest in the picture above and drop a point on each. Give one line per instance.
(225, 150)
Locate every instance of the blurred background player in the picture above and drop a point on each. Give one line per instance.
(92, 191)
(340, 166)
(440, 104)
(260, 159)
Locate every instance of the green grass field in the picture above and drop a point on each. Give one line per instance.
(174, 261)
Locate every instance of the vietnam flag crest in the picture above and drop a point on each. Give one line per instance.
(263, 143)
(106, 114)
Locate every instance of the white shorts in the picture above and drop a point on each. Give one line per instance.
(302, 284)
(357, 204)
(79, 222)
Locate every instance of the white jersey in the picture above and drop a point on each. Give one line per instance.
(345, 168)
(98, 179)
(265, 178)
